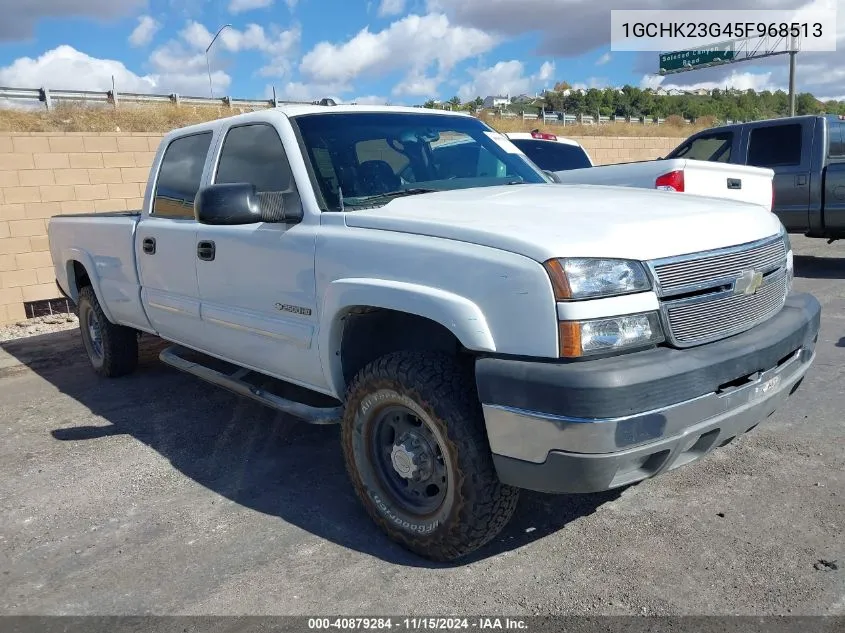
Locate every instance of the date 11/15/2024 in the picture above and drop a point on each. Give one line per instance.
(417, 623)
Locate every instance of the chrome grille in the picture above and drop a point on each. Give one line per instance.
(699, 298)
(696, 270)
(691, 323)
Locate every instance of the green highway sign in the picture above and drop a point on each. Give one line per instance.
(696, 57)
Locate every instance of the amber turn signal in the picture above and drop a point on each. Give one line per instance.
(569, 337)
(560, 284)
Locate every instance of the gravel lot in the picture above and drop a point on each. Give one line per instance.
(156, 493)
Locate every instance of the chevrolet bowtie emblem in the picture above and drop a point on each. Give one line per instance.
(749, 282)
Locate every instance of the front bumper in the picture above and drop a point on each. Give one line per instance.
(596, 425)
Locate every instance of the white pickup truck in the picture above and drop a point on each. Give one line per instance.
(475, 328)
(743, 183)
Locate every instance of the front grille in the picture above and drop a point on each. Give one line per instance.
(697, 292)
(693, 271)
(691, 323)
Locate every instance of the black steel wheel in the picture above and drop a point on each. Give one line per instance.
(416, 451)
(112, 349)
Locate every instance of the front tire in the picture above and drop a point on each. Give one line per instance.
(112, 349)
(417, 453)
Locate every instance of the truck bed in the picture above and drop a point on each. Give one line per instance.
(721, 180)
(104, 243)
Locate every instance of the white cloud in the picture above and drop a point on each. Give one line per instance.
(417, 85)
(291, 4)
(299, 91)
(370, 100)
(604, 59)
(21, 16)
(239, 6)
(413, 44)
(547, 71)
(736, 80)
(504, 78)
(391, 7)
(54, 68)
(568, 27)
(144, 32)
(278, 46)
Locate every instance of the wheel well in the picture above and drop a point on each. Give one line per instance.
(80, 275)
(77, 279)
(370, 333)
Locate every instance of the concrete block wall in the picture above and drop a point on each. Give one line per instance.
(47, 174)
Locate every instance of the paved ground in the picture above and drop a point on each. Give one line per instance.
(159, 494)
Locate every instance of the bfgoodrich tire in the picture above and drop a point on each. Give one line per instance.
(112, 349)
(417, 454)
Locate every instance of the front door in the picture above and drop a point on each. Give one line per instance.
(165, 244)
(256, 282)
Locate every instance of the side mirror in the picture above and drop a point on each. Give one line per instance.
(239, 203)
(228, 204)
(552, 175)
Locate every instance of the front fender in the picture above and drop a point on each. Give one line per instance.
(459, 315)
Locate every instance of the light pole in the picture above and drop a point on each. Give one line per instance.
(207, 63)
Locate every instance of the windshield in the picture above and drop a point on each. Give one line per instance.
(366, 158)
(553, 156)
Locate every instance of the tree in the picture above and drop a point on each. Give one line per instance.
(429, 104)
(455, 101)
(561, 86)
(805, 103)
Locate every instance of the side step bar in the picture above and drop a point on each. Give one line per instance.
(235, 382)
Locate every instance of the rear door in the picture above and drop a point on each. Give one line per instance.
(834, 179)
(165, 247)
(786, 148)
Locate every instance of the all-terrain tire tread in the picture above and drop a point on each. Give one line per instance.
(120, 343)
(446, 390)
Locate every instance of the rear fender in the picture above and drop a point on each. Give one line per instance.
(69, 256)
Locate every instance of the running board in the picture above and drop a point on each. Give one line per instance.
(235, 382)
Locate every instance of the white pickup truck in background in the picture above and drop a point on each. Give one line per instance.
(697, 177)
(473, 326)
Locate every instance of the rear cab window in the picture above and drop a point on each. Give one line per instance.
(553, 156)
(775, 145)
(715, 148)
(836, 141)
(180, 176)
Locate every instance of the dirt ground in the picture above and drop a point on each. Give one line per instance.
(157, 493)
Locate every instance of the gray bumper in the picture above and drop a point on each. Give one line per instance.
(739, 382)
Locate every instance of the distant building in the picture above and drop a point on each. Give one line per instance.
(496, 101)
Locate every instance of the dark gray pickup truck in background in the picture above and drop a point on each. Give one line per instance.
(807, 154)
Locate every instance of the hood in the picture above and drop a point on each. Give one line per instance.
(555, 220)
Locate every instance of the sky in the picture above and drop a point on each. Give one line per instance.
(368, 51)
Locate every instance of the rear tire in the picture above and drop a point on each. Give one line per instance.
(417, 453)
(112, 349)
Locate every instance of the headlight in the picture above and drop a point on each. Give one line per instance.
(582, 338)
(582, 278)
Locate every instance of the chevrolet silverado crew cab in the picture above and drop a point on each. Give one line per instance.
(807, 156)
(474, 327)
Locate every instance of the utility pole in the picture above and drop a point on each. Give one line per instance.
(793, 51)
(792, 82)
(208, 63)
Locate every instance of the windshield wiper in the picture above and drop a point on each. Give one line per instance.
(390, 195)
